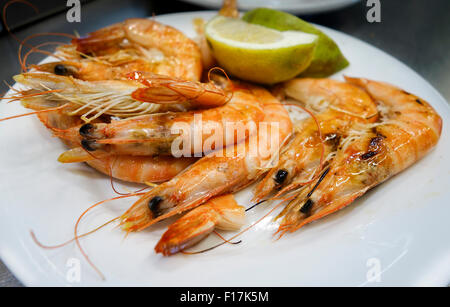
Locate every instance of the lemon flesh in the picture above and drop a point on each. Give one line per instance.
(328, 58)
(259, 54)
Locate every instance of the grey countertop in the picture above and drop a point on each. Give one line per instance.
(417, 32)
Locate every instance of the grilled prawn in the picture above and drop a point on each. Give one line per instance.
(338, 107)
(406, 130)
(133, 45)
(174, 133)
(143, 93)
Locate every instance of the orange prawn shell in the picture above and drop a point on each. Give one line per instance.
(128, 168)
(335, 107)
(183, 55)
(407, 130)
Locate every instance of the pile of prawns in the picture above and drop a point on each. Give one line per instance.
(113, 96)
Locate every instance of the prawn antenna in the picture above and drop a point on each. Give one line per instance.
(34, 112)
(44, 246)
(77, 236)
(23, 42)
(111, 179)
(255, 205)
(244, 230)
(231, 84)
(212, 247)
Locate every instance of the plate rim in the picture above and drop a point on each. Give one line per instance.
(303, 9)
(27, 279)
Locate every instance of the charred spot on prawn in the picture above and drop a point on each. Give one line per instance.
(153, 205)
(281, 176)
(374, 147)
(368, 155)
(86, 130)
(376, 141)
(377, 133)
(333, 139)
(418, 100)
(89, 145)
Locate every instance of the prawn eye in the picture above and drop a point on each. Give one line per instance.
(86, 129)
(61, 70)
(153, 205)
(307, 206)
(281, 176)
(88, 144)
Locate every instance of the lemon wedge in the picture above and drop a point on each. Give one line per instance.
(328, 58)
(257, 53)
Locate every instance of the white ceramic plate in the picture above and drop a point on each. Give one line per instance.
(400, 227)
(293, 6)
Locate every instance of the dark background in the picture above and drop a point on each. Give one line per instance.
(417, 32)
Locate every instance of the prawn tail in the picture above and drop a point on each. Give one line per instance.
(221, 212)
(79, 154)
(188, 230)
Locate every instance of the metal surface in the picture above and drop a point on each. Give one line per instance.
(417, 32)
